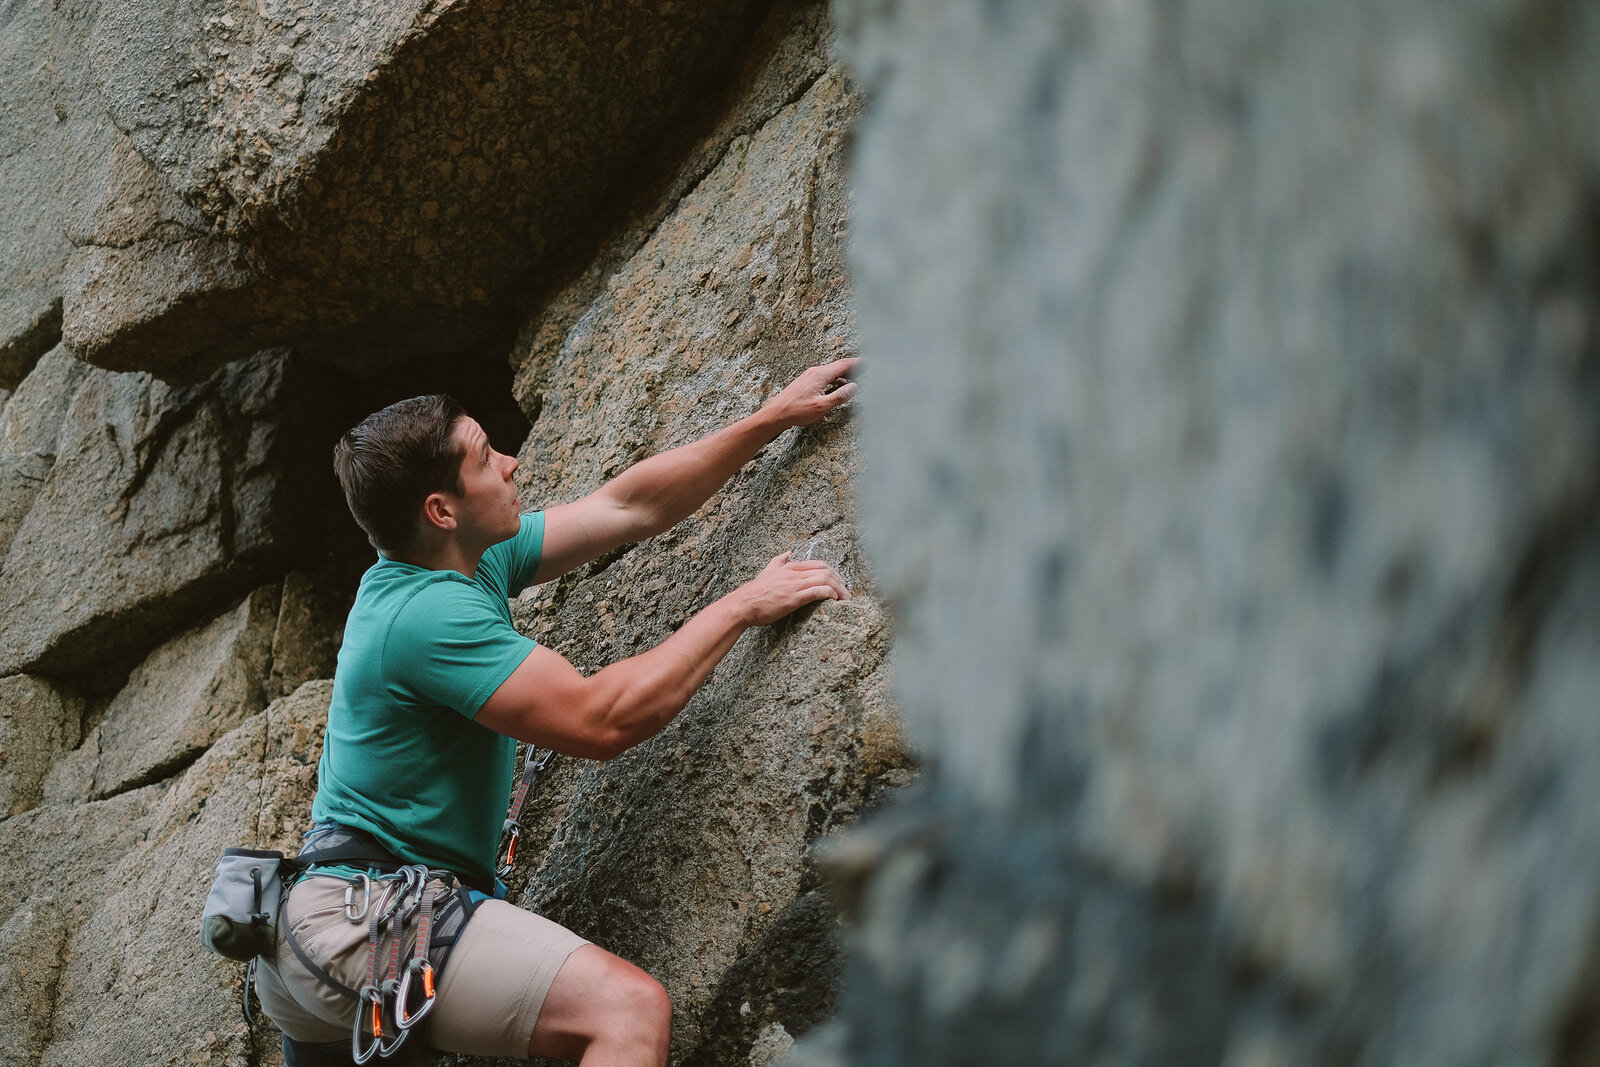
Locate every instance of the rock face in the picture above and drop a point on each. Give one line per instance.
(30, 429)
(1230, 447)
(689, 855)
(161, 503)
(39, 725)
(643, 206)
(109, 930)
(33, 239)
(198, 179)
(185, 695)
(1245, 357)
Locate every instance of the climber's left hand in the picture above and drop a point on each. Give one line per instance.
(817, 392)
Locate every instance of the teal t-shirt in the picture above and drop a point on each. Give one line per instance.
(402, 758)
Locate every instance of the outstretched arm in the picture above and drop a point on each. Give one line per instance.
(655, 494)
(547, 702)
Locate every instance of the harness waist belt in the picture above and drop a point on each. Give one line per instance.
(334, 842)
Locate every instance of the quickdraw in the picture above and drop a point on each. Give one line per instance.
(511, 831)
(384, 1015)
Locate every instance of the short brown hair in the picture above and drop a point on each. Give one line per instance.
(389, 464)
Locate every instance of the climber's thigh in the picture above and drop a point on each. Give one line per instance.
(494, 984)
(603, 1000)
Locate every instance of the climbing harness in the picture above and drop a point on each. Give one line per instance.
(394, 1000)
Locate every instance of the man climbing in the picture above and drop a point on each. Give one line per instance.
(434, 687)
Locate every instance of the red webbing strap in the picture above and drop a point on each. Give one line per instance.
(424, 925)
(530, 774)
(510, 831)
(420, 966)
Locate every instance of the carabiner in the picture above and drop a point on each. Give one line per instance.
(416, 882)
(389, 997)
(403, 1018)
(510, 834)
(370, 994)
(350, 898)
(407, 894)
(390, 902)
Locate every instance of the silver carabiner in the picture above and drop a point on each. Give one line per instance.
(408, 892)
(370, 995)
(387, 998)
(403, 1018)
(350, 897)
(389, 901)
(549, 755)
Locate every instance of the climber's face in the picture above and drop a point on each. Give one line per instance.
(487, 510)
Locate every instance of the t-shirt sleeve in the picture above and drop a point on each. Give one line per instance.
(508, 567)
(449, 646)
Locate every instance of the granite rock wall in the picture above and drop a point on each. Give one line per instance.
(707, 310)
(609, 229)
(199, 179)
(1228, 455)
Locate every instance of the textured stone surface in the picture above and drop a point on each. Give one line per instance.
(310, 626)
(189, 692)
(31, 420)
(33, 240)
(21, 475)
(198, 179)
(39, 724)
(1245, 359)
(162, 504)
(66, 858)
(30, 426)
(32, 944)
(689, 855)
(133, 922)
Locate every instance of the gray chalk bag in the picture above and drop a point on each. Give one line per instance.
(240, 920)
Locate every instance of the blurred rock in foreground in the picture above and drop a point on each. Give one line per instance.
(1231, 459)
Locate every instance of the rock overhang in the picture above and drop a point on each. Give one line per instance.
(367, 186)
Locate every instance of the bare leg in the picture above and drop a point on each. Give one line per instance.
(603, 1012)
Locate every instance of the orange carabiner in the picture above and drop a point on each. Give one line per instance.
(361, 1054)
(403, 1016)
(510, 834)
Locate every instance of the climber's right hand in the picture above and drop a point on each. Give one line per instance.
(785, 585)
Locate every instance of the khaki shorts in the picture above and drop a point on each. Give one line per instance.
(490, 990)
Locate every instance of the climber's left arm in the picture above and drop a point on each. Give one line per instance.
(656, 494)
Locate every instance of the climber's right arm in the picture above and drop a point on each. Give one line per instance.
(655, 494)
(547, 702)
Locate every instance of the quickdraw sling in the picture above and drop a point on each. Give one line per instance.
(511, 831)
